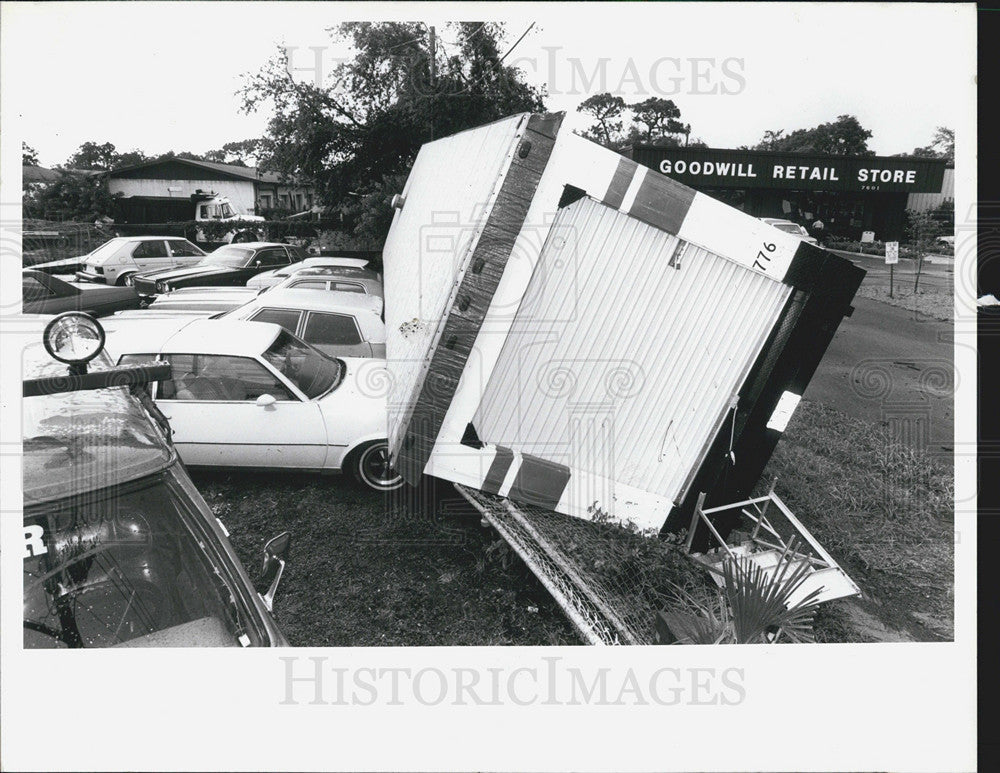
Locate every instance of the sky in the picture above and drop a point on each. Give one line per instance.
(164, 76)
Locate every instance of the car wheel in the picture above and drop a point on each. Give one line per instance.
(125, 280)
(369, 466)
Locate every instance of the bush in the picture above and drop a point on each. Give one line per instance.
(871, 248)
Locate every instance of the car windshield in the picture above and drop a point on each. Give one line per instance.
(310, 370)
(234, 257)
(128, 566)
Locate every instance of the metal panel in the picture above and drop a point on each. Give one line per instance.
(447, 199)
(626, 351)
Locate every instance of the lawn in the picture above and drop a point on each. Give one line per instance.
(365, 573)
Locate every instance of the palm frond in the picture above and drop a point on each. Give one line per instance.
(760, 602)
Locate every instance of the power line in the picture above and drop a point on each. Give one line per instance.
(530, 26)
(499, 61)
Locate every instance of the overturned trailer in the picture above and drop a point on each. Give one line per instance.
(571, 331)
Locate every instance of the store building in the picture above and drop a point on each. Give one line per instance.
(850, 194)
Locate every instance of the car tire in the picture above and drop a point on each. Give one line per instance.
(369, 466)
(123, 280)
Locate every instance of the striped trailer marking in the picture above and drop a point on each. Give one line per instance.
(666, 204)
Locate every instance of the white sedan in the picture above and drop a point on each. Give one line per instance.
(251, 394)
(279, 275)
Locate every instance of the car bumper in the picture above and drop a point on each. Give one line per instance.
(89, 276)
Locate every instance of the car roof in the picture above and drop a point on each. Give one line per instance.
(146, 238)
(320, 260)
(337, 272)
(235, 337)
(253, 245)
(81, 441)
(187, 294)
(317, 300)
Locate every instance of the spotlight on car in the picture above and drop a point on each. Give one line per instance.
(74, 338)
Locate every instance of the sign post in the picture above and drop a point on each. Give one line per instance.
(891, 259)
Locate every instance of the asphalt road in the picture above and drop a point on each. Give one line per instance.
(888, 364)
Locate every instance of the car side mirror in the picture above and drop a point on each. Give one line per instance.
(266, 400)
(275, 558)
(258, 263)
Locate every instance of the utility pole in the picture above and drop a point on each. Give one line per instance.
(433, 50)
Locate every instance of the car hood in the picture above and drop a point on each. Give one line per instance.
(180, 273)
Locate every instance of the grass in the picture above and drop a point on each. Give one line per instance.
(883, 510)
(935, 303)
(364, 573)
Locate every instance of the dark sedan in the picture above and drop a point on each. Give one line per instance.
(229, 266)
(43, 293)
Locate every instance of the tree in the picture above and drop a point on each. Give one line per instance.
(93, 156)
(609, 114)
(771, 138)
(72, 196)
(29, 156)
(131, 158)
(942, 146)
(843, 137)
(363, 123)
(658, 119)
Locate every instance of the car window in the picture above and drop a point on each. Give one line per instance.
(182, 248)
(287, 318)
(313, 372)
(323, 328)
(152, 249)
(215, 377)
(272, 256)
(309, 284)
(33, 290)
(348, 287)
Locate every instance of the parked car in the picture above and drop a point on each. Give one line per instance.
(338, 324)
(120, 549)
(228, 266)
(207, 300)
(251, 394)
(43, 293)
(116, 260)
(279, 275)
(337, 278)
(789, 227)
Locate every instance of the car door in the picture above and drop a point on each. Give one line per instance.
(271, 258)
(211, 402)
(151, 255)
(183, 253)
